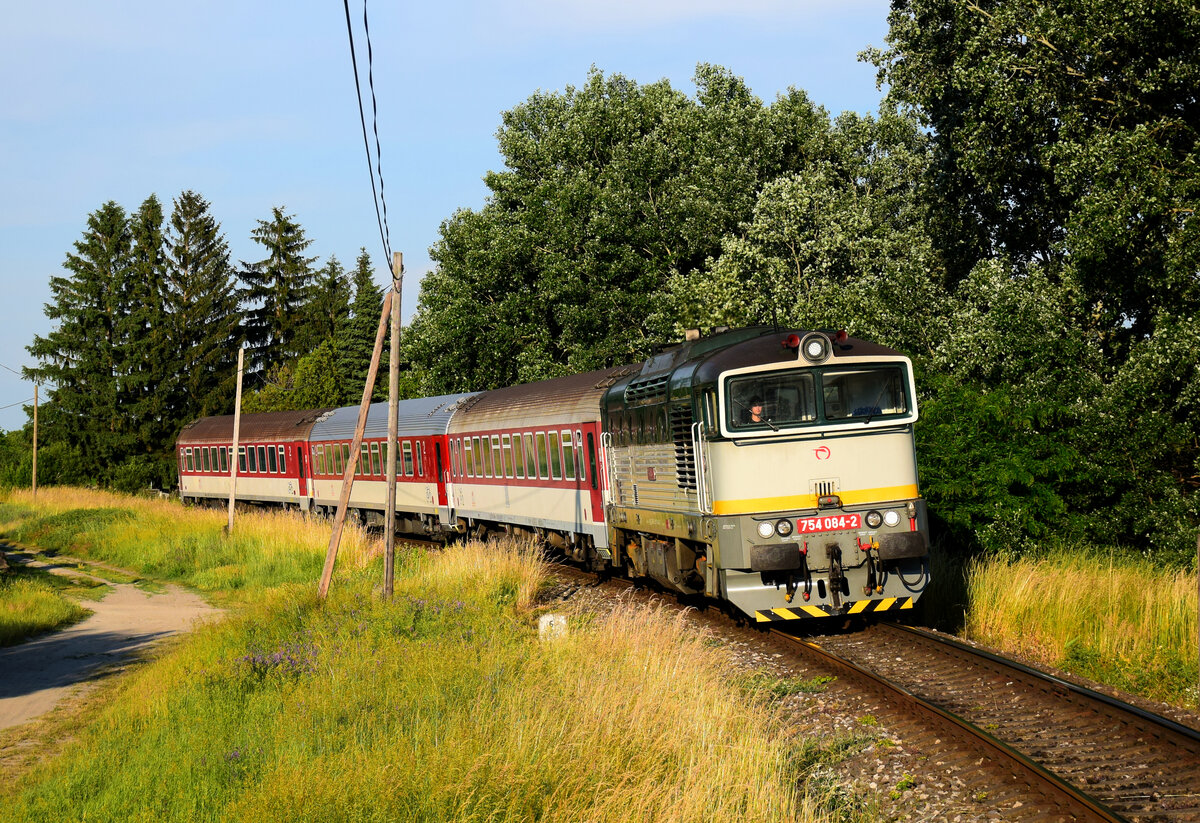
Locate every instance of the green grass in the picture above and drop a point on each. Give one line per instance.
(442, 704)
(161, 540)
(33, 601)
(1113, 618)
(777, 688)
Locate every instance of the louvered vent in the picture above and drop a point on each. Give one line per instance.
(821, 488)
(652, 390)
(685, 456)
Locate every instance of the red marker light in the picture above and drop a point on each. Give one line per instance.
(792, 341)
(841, 336)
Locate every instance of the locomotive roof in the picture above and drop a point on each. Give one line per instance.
(677, 370)
(767, 347)
(265, 426)
(573, 399)
(419, 417)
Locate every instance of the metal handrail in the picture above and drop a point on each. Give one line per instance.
(703, 496)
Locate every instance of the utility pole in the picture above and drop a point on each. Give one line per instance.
(339, 521)
(389, 554)
(237, 430)
(35, 434)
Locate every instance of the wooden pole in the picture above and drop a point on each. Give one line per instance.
(1198, 598)
(339, 520)
(35, 434)
(237, 431)
(389, 555)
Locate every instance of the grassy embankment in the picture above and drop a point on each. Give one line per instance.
(1115, 619)
(440, 705)
(1111, 617)
(33, 601)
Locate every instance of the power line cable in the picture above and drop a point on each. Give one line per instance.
(375, 127)
(21, 403)
(366, 142)
(14, 371)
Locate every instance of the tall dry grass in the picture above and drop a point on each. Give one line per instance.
(29, 606)
(164, 539)
(1116, 619)
(442, 704)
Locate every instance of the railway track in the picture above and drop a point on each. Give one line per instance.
(1088, 756)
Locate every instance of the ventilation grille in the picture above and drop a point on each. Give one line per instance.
(685, 456)
(822, 488)
(653, 390)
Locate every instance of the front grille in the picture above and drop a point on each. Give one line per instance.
(823, 488)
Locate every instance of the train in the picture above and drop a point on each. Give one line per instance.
(774, 470)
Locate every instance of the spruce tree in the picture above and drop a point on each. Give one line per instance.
(203, 309)
(148, 361)
(357, 339)
(330, 307)
(81, 358)
(277, 291)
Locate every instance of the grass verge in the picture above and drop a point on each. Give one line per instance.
(1115, 619)
(33, 601)
(441, 704)
(163, 540)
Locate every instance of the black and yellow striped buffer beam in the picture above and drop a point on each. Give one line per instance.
(857, 607)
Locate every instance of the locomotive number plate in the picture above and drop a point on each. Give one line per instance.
(828, 523)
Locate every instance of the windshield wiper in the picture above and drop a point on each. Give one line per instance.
(764, 418)
(875, 408)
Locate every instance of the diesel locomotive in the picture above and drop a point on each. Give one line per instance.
(774, 470)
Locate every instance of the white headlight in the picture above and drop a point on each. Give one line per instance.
(891, 518)
(766, 529)
(815, 347)
(784, 527)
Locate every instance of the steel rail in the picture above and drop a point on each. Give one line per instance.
(1068, 800)
(1065, 689)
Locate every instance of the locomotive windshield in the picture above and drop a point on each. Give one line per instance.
(776, 400)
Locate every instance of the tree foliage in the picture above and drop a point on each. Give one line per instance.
(355, 340)
(1061, 195)
(201, 329)
(1066, 132)
(277, 291)
(608, 191)
(839, 242)
(83, 357)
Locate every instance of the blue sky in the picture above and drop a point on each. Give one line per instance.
(252, 105)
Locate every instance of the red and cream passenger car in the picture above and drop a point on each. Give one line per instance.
(272, 464)
(422, 499)
(529, 457)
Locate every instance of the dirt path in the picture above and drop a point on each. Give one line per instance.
(36, 675)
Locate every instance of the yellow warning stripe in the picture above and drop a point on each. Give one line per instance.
(857, 607)
(851, 497)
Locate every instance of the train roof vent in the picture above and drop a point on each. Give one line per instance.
(650, 390)
(609, 379)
